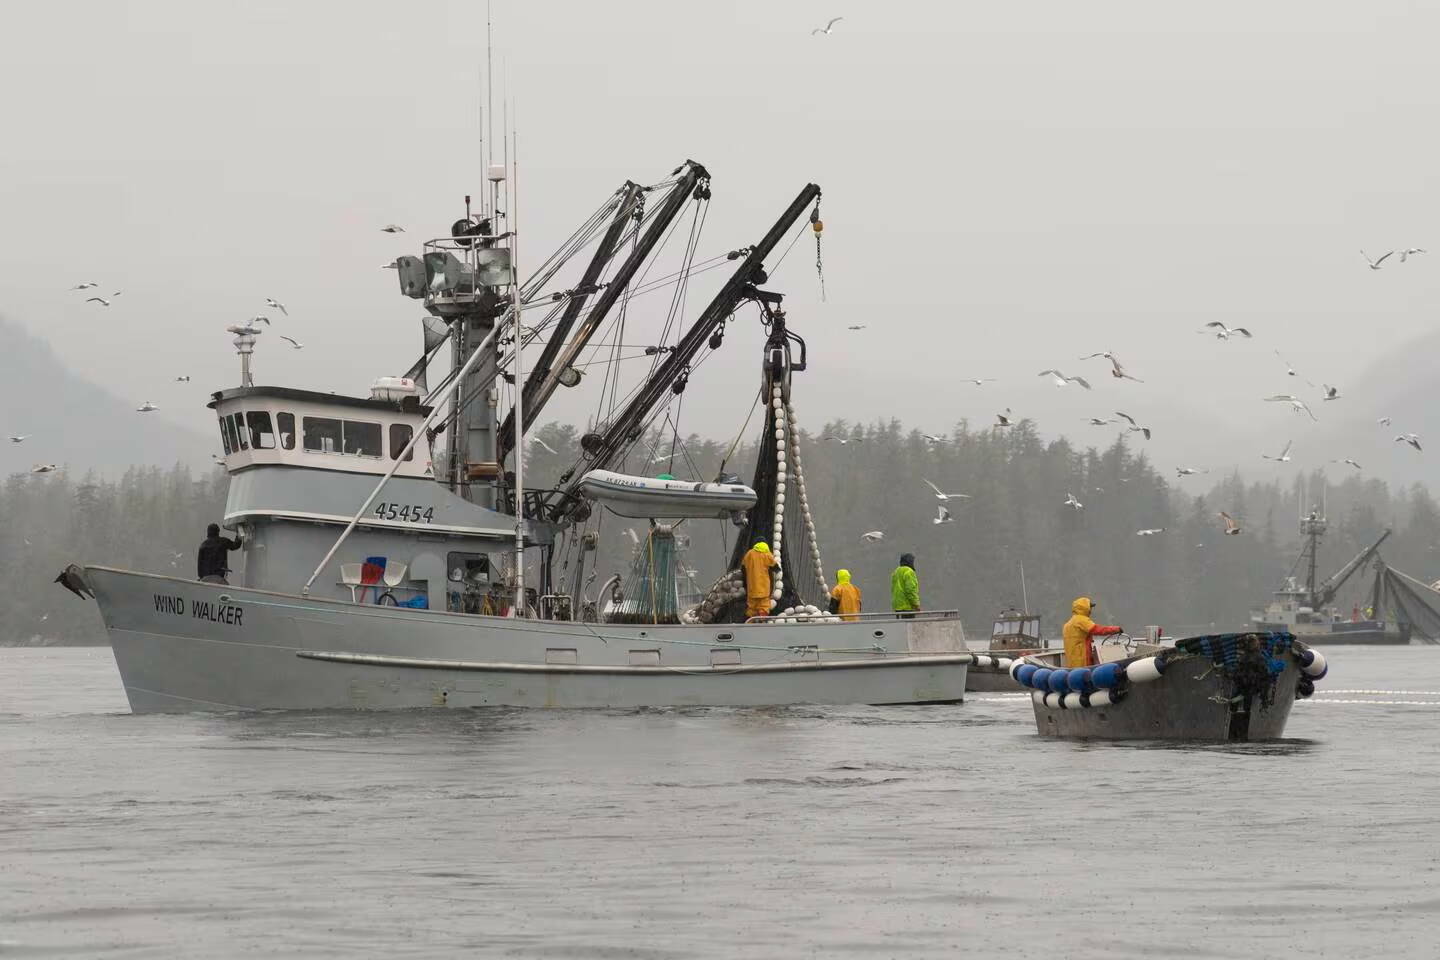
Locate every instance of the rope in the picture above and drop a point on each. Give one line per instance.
(805, 514)
(746, 426)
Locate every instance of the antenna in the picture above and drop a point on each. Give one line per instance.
(489, 80)
(1024, 596)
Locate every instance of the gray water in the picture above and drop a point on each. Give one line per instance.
(851, 832)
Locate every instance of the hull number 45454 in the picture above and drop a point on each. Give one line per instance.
(408, 512)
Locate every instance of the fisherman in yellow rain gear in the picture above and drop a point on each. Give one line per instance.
(757, 564)
(845, 598)
(1079, 651)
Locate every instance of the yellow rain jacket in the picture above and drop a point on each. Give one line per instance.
(757, 564)
(846, 595)
(1077, 633)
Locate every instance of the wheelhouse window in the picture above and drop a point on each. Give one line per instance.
(227, 435)
(262, 437)
(400, 434)
(238, 425)
(356, 438)
(322, 434)
(362, 439)
(286, 423)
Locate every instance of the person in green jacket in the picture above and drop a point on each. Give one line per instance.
(905, 588)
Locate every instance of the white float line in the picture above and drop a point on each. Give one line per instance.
(1388, 693)
(1388, 703)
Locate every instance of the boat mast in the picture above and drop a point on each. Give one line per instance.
(1313, 528)
(519, 371)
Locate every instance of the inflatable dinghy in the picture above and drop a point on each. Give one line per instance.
(651, 497)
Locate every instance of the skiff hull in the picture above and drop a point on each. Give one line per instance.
(181, 645)
(1191, 701)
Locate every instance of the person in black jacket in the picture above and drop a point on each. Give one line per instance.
(210, 560)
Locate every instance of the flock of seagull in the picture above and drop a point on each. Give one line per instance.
(147, 406)
(1214, 328)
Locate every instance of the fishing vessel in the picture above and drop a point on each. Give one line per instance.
(1227, 687)
(1013, 635)
(393, 557)
(1309, 611)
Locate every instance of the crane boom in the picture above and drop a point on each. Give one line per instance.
(1327, 590)
(691, 174)
(603, 448)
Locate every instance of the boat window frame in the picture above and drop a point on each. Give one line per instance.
(237, 423)
(280, 417)
(338, 438)
(396, 447)
(258, 432)
(226, 441)
(379, 438)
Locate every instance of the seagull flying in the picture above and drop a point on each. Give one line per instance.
(634, 537)
(1375, 264)
(1134, 427)
(293, 342)
(828, 27)
(20, 438)
(44, 468)
(1349, 461)
(856, 326)
(943, 497)
(392, 228)
(1383, 421)
(85, 286)
(1289, 370)
(274, 304)
(1331, 393)
(977, 381)
(1405, 254)
(874, 536)
(1295, 402)
(1070, 501)
(1188, 471)
(1150, 532)
(543, 445)
(1119, 371)
(1284, 454)
(146, 407)
(942, 516)
(1004, 419)
(1063, 381)
(1409, 438)
(258, 319)
(840, 440)
(1098, 422)
(1223, 332)
(100, 300)
(931, 439)
(184, 379)
(1231, 527)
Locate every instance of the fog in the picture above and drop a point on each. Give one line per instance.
(1007, 187)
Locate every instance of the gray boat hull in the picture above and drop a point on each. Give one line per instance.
(1189, 702)
(181, 645)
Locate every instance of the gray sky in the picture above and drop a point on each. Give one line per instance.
(1007, 187)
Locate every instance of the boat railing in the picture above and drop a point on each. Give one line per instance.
(867, 617)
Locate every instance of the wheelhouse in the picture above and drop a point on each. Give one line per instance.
(320, 431)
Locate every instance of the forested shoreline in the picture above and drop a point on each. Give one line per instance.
(1188, 577)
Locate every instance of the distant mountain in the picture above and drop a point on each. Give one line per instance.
(76, 424)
